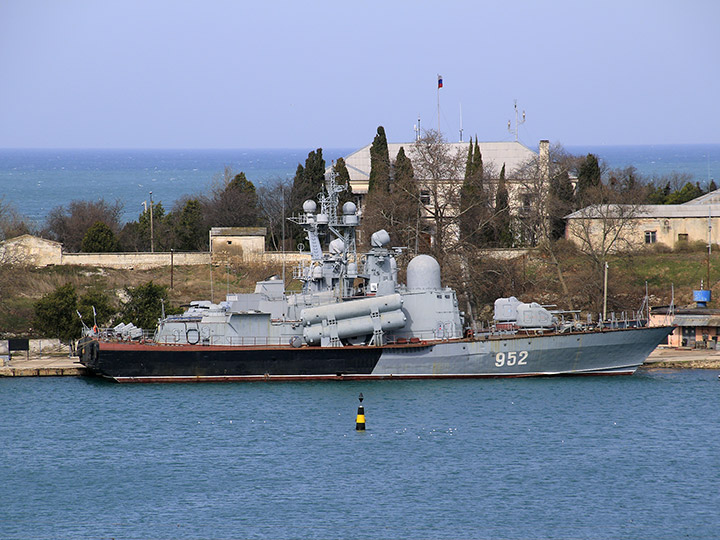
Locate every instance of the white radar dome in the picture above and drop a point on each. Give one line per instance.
(423, 273)
(309, 207)
(349, 208)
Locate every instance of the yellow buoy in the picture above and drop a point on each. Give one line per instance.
(360, 421)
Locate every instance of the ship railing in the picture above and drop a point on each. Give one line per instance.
(111, 334)
(225, 341)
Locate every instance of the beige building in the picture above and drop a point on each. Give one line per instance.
(240, 243)
(523, 195)
(629, 227)
(494, 154)
(30, 250)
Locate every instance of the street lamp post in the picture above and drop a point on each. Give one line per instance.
(152, 237)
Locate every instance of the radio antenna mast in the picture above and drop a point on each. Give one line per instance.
(518, 122)
(461, 128)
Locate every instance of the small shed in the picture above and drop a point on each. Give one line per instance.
(239, 243)
(31, 250)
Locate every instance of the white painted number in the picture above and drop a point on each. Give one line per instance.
(510, 359)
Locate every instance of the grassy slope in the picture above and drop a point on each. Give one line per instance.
(21, 287)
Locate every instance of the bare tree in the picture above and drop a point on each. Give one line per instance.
(233, 203)
(12, 224)
(439, 170)
(69, 225)
(274, 204)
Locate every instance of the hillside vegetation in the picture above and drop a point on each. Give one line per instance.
(531, 278)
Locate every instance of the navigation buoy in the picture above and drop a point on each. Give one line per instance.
(360, 421)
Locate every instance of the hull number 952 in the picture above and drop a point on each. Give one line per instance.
(513, 358)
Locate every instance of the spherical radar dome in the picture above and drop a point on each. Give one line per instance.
(309, 206)
(423, 273)
(349, 208)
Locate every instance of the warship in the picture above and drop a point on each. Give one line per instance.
(352, 319)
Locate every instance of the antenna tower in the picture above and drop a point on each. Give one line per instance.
(518, 122)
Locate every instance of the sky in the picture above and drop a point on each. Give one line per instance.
(289, 74)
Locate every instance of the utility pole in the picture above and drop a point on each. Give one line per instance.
(709, 246)
(605, 296)
(152, 237)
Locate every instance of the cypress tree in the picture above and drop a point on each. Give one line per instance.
(588, 177)
(189, 232)
(404, 202)
(342, 178)
(503, 231)
(473, 200)
(379, 163)
(561, 202)
(469, 164)
(309, 181)
(477, 160)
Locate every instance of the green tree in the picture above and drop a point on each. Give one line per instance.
(309, 181)
(342, 178)
(100, 301)
(234, 202)
(158, 229)
(502, 221)
(474, 202)
(658, 194)
(589, 177)
(144, 305)
(379, 163)
(190, 235)
(99, 239)
(561, 202)
(477, 167)
(69, 225)
(687, 193)
(56, 316)
(405, 200)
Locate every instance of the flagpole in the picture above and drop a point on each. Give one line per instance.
(438, 100)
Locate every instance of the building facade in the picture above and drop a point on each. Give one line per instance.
(636, 226)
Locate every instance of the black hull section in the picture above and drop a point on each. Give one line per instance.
(158, 363)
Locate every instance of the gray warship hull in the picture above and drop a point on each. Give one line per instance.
(609, 352)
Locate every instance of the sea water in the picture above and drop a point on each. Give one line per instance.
(36, 181)
(599, 457)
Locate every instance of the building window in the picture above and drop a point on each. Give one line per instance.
(650, 237)
(526, 201)
(682, 237)
(425, 196)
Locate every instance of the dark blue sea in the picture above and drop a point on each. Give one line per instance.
(36, 181)
(556, 458)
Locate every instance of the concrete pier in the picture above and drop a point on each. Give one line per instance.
(48, 366)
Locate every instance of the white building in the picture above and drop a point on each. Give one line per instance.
(494, 154)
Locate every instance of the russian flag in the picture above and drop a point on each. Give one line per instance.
(439, 81)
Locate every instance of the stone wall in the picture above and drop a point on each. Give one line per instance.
(136, 260)
(37, 346)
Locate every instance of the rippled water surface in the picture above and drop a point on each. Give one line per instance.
(603, 457)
